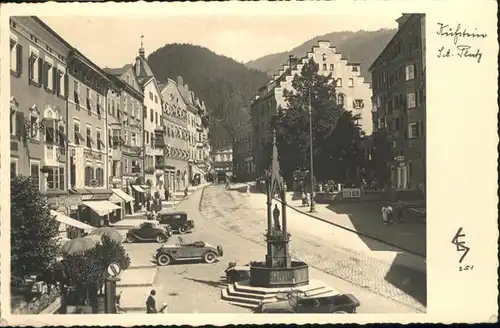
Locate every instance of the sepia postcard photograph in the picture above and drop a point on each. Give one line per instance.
(227, 162)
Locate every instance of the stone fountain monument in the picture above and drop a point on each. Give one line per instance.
(278, 270)
(278, 273)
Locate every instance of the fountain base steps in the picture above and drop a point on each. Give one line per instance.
(242, 294)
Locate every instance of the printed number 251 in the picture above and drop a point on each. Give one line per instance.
(465, 267)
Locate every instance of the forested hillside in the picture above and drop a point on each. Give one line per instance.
(225, 85)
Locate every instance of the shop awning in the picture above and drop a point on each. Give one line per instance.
(138, 189)
(101, 207)
(123, 195)
(71, 222)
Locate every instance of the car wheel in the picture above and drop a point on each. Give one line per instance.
(182, 230)
(161, 238)
(209, 257)
(164, 259)
(130, 239)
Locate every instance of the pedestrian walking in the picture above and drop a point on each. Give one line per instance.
(118, 308)
(248, 190)
(185, 192)
(387, 214)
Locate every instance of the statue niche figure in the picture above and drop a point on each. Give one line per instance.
(276, 216)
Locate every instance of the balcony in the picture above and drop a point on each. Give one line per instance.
(50, 156)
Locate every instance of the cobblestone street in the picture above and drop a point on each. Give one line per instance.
(322, 246)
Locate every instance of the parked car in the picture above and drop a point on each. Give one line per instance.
(235, 273)
(149, 231)
(294, 302)
(198, 250)
(177, 221)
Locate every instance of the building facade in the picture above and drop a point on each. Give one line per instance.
(398, 76)
(125, 121)
(352, 92)
(97, 141)
(154, 145)
(38, 113)
(222, 160)
(175, 115)
(243, 163)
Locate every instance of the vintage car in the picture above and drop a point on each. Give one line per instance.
(177, 221)
(148, 231)
(236, 273)
(293, 303)
(181, 251)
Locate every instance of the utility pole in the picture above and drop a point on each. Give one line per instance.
(313, 207)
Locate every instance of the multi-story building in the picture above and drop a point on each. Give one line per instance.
(38, 113)
(194, 111)
(242, 152)
(352, 92)
(88, 137)
(154, 144)
(175, 124)
(398, 76)
(125, 120)
(222, 160)
(202, 144)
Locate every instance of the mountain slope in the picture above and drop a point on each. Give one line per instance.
(361, 47)
(225, 85)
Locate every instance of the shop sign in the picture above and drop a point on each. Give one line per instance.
(351, 192)
(88, 154)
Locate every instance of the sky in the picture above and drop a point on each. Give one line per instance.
(114, 41)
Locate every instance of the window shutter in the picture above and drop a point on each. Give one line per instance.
(19, 124)
(19, 59)
(66, 85)
(54, 81)
(30, 67)
(40, 71)
(45, 77)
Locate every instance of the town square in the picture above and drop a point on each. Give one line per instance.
(156, 187)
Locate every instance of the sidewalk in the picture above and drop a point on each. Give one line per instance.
(366, 218)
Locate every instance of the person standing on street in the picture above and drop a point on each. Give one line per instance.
(151, 302)
(185, 192)
(386, 214)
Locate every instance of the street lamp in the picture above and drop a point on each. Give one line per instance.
(313, 207)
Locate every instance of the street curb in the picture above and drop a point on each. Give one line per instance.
(145, 266)
(134, 285)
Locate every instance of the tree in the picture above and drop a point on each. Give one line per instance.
(335, 131)
(381, 155)
(86, 272)
(34, 249)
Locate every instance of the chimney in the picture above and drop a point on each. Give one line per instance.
(180, 82)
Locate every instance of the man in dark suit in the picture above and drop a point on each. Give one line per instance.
(151, 302)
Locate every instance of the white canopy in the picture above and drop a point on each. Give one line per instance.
(71, 222)
(123, 195)
(101, 207)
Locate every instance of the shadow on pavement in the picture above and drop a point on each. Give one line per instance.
(412, 282)
(211, 283)
(367, 219)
